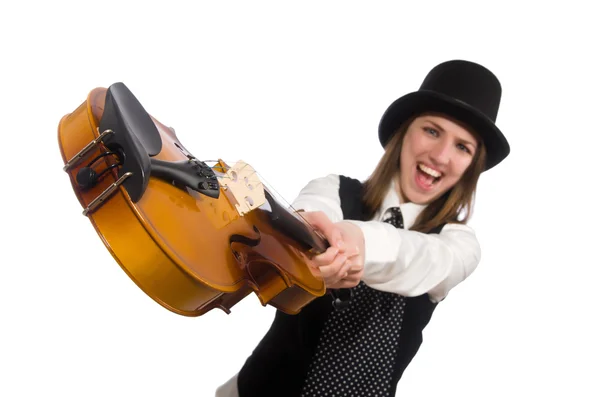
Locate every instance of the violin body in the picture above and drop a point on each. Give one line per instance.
(191, 236)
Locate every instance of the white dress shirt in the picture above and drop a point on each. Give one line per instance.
(402, 261)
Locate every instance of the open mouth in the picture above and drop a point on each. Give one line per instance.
(427, 177)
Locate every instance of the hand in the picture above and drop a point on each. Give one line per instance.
(342, 264)
(352, 236)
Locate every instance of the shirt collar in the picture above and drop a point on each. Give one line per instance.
(410, 211)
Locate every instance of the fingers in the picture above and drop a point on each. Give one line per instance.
(336, 270)
(326, 257)
(341, 269)
(342, 262)
(343, 284)
(355, 267)
(323, 225)
(350, 281)
(355, 276)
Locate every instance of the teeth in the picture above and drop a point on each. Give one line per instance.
(429, 171)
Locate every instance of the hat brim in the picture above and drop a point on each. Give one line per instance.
(415, 103)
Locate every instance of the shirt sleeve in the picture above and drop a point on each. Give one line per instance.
(321, 194)
(411, 263)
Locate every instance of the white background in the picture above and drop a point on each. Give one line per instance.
(297, 90)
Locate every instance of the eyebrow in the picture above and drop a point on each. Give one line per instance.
(464, 141)
(436, 125)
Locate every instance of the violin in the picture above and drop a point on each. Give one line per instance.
(192, 236)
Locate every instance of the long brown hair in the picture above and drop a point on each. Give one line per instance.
(454, 206)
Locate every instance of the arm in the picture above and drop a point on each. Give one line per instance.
(321, 204)
(321, 194)
(412, 263)
(397, 260)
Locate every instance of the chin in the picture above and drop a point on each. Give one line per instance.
(422, 198)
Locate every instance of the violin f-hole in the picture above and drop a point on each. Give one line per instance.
(263, 276)
(267, 280)
(240, 243)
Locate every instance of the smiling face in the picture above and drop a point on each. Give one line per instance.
(436, 152)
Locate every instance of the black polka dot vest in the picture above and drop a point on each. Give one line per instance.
(364, 348)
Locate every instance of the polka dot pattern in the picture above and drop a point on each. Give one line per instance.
(356, 351)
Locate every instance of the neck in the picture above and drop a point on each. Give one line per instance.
(398, 189)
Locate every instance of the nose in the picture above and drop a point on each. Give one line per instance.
(441, 152)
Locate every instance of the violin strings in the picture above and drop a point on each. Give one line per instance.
(284, 201)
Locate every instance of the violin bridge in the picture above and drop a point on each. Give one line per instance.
(243, 187)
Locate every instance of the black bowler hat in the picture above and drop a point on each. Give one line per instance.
(460, 89)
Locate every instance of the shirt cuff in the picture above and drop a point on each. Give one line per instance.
(380, 252)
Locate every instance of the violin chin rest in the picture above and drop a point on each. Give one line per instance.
(123, 111)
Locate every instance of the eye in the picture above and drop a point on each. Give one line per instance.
(431, 131)
(463, 148)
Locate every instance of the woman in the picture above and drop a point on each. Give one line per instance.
(399, 242)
